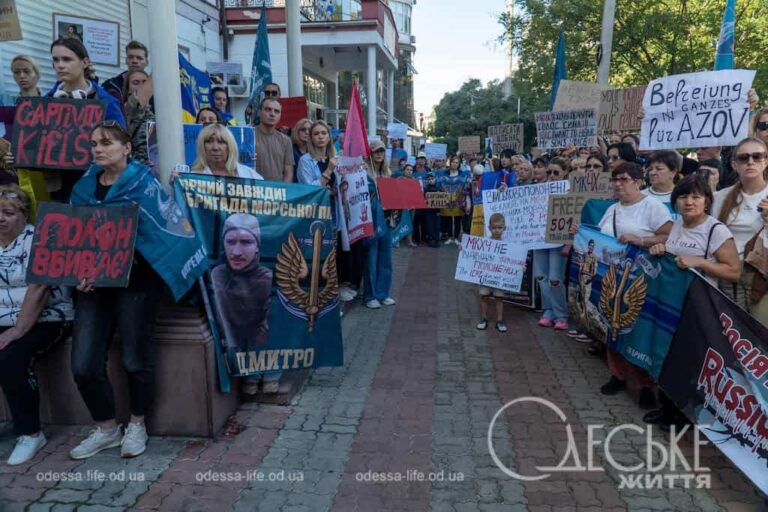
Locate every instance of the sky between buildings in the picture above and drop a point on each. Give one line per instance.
(455, 41)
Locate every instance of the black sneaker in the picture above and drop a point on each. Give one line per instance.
(613, 386)
(501, 326)
(482, 324)
(647, 399)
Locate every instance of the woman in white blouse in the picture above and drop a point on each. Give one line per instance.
(318, 163)
(217, 154)
(644, 221)
(699, 241)
(739, 207)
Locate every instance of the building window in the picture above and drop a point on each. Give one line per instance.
(402, 15)
(315, 90)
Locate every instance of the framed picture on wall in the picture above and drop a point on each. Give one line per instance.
(100, 37)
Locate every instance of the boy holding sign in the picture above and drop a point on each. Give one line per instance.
(497, 225)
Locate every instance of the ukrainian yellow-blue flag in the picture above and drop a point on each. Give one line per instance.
(195, 90)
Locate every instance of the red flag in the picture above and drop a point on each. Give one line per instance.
(355, 136)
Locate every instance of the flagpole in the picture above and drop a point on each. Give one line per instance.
(606, 42)
(166, 86)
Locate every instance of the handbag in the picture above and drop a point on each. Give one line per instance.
(755, 255)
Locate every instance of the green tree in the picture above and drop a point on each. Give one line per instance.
(652, 38)
(470, 111)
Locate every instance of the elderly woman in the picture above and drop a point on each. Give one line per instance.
(32, 318)
(217, 154)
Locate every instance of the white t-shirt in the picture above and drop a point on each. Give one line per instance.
(13, 284)
(697, 241)
(665, 197)
(640, 219)
(243, 171)
(744, 221)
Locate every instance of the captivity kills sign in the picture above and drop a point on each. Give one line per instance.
(696, 110)
(53, 133)
(73, 243)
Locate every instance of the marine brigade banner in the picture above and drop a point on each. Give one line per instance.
(72, 243)
(272, 285)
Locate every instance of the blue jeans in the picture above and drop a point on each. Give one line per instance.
(378, 272)
(548, 266)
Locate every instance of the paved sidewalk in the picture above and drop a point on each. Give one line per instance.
(413, 402)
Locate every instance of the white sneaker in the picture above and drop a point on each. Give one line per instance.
(347, 294)
(134, 441)
(373, 304)
(96, 441)
(26, 448)
(389, 301)
(448, 242)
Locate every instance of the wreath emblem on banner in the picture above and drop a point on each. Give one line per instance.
(292, 268)
(622, 308)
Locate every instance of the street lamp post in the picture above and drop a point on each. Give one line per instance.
(606, 42)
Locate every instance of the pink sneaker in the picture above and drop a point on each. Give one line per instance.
(545, 322)
(561, 325)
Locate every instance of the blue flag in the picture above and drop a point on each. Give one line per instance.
(560, 72)
(195, 90)
(261, 68)
(726, 43)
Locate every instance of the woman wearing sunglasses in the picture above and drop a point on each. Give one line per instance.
(596, 163)
(643, 221)
(300, 138)
(743, 207)
(549, 267)
(619, 153)
(760, 125)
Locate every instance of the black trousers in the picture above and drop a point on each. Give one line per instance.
(97, 314)
(350, 263)
(17, 377)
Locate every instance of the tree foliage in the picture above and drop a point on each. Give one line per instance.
(470, 111)
(651, 38)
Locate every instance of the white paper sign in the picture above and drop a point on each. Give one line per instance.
(397, 130)
(525, 212)
(354, 204)
(559, 129)
(435, 151)
(696, 110)
(491, 263)
(100, 37)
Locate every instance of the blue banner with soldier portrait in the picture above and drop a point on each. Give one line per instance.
(272, 285)
(623, 295)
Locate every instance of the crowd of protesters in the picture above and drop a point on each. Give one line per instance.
(709, 210)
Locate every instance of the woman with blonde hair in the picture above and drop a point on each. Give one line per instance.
(26, 73)
(743, 208)
(300, 140)
(217, 154)
(317, 164)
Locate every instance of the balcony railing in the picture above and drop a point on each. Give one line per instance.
(245, 4)
(331, 10)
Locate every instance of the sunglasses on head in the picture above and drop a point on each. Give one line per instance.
(744, 158)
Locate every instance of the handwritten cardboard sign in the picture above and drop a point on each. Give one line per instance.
(563, 211)
(491, 263)
(10, 28)
(696, 110)
(435, 150)
(574, 95)
(620, 109)
(398, 194)
(55, 133)
(506, 136)
(560, 128)
(469, 144)
(438, 199)
(525, 212)
(72, 243)
(594, 184)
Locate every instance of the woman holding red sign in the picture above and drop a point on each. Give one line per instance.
(32, 318)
